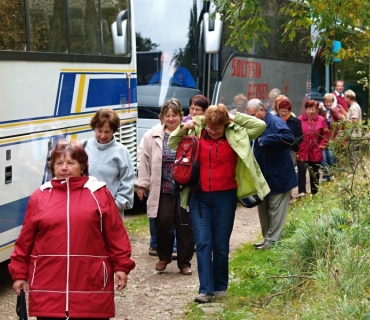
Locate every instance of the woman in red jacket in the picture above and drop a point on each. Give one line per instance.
(72, 243)
(315, 134)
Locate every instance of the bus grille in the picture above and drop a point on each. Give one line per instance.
(127, 135)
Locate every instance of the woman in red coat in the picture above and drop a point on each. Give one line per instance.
(315, 134)
(73, 248)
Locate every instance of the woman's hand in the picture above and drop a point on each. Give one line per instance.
(190, 125)
(141, 193)
(120, 280)
(18, 284)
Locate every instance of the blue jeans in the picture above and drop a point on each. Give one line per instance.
(153, 236)
(328, 160)
(212, 229)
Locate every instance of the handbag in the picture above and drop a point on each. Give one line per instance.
(22, 306)
(251, 201)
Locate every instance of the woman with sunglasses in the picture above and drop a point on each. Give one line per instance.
(228, 171)
(155, 174)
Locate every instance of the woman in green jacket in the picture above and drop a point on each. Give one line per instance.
(228, 171)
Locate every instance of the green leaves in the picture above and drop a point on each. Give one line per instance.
(333, 20)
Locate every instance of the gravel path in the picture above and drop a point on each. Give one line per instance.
(150, 295)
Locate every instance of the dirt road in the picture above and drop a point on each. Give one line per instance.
(150, 295)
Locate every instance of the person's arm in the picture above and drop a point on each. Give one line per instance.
(156, 78)
(142, 183)
(115, 235)
(280, 138)
(337, 113)
(124, 197)
(188, 79)
(19, 259)
(323, 133)
(255, 127)
(298, 134)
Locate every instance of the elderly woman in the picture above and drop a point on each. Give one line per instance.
(109, 160)
(315, 136)
(228, 171)
(284, 109)
(72, 243)
(155, 174)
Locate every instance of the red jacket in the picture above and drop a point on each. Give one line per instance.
(217, 164)
(72, 240)
(315, 133)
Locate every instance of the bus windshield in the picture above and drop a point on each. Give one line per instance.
(167, 33)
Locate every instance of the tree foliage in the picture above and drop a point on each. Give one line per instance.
(346, 21)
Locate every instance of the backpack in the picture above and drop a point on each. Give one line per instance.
(186, 165)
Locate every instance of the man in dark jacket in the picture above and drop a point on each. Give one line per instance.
(272, 152)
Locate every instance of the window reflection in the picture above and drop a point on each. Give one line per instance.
(48, 25)
(12, 25)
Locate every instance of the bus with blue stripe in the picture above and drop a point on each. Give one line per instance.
(60, 62)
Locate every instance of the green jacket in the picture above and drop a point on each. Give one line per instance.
(239, 134)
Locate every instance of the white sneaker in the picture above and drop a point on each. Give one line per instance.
(203, 298)
(301, 195)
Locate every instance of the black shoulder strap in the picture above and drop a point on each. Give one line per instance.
(85, 143)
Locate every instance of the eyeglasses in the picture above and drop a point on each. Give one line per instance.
(214, 129)
(192, 109)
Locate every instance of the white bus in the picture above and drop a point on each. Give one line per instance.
(60, 62)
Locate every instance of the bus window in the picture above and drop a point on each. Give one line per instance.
(84, 27)
(12, 26)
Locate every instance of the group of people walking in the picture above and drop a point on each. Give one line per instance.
(73, 248)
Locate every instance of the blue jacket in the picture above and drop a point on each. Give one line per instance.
(182, 77)
(272, 152)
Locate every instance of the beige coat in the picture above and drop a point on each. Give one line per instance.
(150, 168)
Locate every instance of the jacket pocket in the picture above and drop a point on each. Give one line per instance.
(105, 275)
(33, 272)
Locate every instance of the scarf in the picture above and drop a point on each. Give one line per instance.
(287, 117)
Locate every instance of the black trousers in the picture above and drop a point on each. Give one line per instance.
(168, 219)
(313, 169)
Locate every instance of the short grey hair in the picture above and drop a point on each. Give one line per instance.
(255, 103)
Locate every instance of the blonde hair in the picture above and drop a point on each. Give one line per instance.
(329, 96)
(350, 94)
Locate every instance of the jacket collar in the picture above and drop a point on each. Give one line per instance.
(90, 183)
(104, 145)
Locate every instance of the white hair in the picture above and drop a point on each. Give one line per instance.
(255, 103)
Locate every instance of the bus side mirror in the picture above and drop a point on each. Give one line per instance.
(119, 34)
(212, 32)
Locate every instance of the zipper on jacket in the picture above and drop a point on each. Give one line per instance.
(105, 275)
(210, 167)
(68, 248)
(34, 272)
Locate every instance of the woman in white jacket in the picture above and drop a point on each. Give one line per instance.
(155, 174)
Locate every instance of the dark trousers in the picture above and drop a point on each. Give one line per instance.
(168, 219)
(313, 169)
